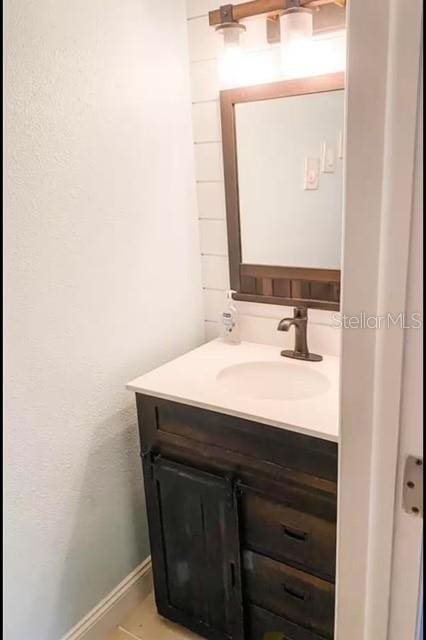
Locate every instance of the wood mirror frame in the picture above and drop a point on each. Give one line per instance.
(291, 286)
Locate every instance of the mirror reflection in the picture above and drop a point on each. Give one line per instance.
(290, 165)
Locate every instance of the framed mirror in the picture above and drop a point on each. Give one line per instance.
(282, 150)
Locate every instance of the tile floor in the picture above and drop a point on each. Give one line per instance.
(143, 623)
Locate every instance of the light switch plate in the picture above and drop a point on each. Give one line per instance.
(312, 171)
(328, 159)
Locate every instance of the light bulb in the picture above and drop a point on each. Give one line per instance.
(297, 58)
(296, 39)
(315, 56)
(232, 65)
(232, 59)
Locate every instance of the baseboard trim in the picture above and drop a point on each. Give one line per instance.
(109, 613)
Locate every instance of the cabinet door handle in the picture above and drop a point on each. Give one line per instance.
(294, 534)
(232, 574)
(299, 594)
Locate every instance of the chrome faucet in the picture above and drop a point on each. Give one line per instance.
(300, 324)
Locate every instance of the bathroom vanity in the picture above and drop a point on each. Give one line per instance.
(240, 442)
(239, 451)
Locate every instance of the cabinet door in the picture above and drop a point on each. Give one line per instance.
(195, 548)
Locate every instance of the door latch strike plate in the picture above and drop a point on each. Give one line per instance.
(412, 491)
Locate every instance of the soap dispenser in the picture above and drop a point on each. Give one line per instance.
(229, 324)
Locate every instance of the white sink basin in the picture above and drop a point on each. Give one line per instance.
(253, 382)
(273, 380)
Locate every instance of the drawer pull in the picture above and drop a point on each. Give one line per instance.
(294, 534)
(295, 593)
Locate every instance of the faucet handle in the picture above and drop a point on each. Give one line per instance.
(300, 312)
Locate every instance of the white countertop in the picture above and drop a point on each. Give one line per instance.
(192, 379)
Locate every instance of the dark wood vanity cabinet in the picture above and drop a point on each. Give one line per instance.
(196, 556)
(242, 523)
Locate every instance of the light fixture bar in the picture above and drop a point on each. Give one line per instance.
(236, 12)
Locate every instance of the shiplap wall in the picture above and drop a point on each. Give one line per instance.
(258, 321)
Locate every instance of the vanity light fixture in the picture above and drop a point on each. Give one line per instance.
(295, 15)
(288, 22)
(238, 12)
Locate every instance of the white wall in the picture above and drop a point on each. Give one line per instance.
(102, 282)
(258, 321)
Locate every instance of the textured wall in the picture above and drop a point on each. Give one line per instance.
(102, 283)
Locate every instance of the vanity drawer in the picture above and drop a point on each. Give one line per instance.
(311, 456)
(288, 534)
(288, 592)
(262, 622)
